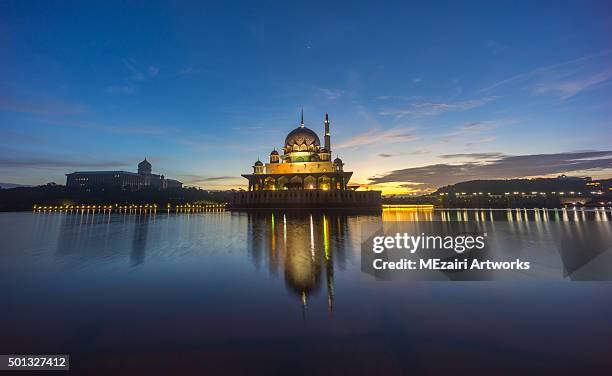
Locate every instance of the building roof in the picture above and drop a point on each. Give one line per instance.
(144, 163)
(302, 135)
(103, 173)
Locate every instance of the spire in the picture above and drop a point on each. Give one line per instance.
(302, 123)
(327, 134)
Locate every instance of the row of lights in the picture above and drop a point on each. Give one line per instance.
(123, 207)
(95, 207)
(518, 193)
(199, 206)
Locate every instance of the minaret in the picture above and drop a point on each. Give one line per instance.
(302, 123)
(327, 136)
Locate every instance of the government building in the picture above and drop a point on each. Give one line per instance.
(302, 175)
(123, 179)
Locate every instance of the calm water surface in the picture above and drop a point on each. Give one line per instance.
(279, 292)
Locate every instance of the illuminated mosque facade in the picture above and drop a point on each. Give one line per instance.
(302, 175)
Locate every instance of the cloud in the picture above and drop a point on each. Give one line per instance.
(396, 97)
(492, 155)
(42, 105)
(419, 152)
(124, 129)
(566, 79)
(251, 128)
(332, 94)
(51, 163)
(505, 167)
(565, 89)
(415, 152)
(479, 126)
(416, 80)
(494, 46)
(128, 89)
(186, 71)
(153, 71)
(473, 128)
(135, 73)
(376, 136)
(214, 178)
(192, 179)
(424, 109)
(480, 141)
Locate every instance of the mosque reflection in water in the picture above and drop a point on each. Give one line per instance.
(306, 247)
(303, 247)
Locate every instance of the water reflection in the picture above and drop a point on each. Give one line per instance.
(89, 238)
(139, 242)
(490, 215)
(304, 247)
(230, 286)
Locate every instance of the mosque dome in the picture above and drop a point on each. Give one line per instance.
(144, 167)
(302, 136)
(274, 152)
(337, 161)
(144, 163)
(259, 163)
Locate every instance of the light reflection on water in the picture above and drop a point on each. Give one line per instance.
(87, 283)
(303, 247)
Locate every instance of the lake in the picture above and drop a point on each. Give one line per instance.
(282, 292)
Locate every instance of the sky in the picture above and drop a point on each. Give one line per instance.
(419, 95)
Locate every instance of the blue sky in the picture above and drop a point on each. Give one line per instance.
(203, 90)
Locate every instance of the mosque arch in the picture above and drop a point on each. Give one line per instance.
(295, 183)
(282, 182)
(269, 183)
(310, 182)
(324, 182)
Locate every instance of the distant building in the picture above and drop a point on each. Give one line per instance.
(124, 179)
(574, 178)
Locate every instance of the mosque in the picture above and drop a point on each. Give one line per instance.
(302, 176)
